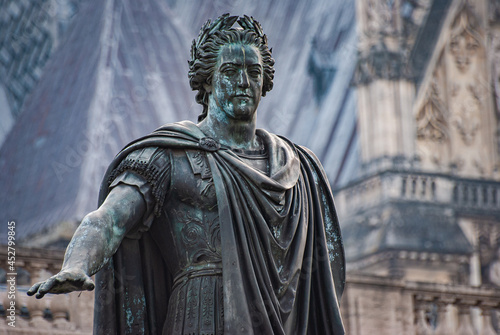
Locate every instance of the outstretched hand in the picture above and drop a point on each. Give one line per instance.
(65, 281)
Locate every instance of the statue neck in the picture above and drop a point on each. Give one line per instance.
(238, 134)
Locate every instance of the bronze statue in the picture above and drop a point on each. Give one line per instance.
(215, 227)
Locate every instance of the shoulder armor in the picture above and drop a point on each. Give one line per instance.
(154, 165)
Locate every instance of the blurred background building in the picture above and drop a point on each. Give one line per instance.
(400, 100)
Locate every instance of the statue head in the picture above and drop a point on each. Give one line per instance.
(206, 48)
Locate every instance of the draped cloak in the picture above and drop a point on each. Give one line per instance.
(288, 282)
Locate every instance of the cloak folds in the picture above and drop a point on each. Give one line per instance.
(282, 254)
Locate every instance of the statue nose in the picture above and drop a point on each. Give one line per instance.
(243, 80)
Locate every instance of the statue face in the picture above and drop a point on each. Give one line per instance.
(237, 82)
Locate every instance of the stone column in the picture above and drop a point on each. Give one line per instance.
(487, 328)
(464, 321)
(442, 319)
(422, 326)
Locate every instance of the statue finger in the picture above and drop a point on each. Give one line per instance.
(88, 284)
(34, 288)
(45, 287)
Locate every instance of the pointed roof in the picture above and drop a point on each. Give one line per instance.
(122, 71)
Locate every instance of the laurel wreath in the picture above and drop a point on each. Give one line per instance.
(224, 22)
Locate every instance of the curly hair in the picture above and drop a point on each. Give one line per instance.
(205, 51)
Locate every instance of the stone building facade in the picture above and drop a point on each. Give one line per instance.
(408, 131)
(424, 212)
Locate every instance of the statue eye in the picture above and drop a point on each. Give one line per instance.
(228, 71)
(254, 72)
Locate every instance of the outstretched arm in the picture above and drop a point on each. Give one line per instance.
(95, 241)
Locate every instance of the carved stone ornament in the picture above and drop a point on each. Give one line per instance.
(488, 239)
(381, 63)
(431, 120)
(465, 39)
(379, 15)
(466, 114)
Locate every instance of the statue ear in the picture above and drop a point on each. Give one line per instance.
(207, 87)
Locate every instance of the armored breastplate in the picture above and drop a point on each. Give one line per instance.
(191, 209)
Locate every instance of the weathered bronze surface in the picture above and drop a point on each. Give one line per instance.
(215, 227)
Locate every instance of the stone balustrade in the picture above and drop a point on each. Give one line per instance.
(476, 194)
(378, 305)
(50, 315)
(54, 314)
(457, 193)
(454, 309)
